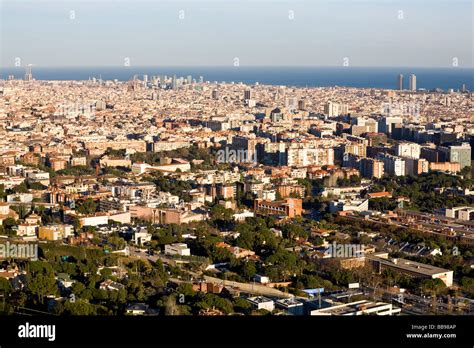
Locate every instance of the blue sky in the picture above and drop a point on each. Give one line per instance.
(321, 33)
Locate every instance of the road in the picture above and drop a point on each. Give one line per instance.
(250, 288)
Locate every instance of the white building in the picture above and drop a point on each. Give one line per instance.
(291, 306)
(261, 279)
(240, 217)
(27, 230)
(357, 205)
(177, 249)
(140, 168)
(411, 150)
(461, 213)
(94, 220)
(393, 165)
(412, 82)
(262, 302)
(141, 237)
(362, 307)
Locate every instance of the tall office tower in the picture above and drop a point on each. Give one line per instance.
(302, 104)
(28, 74)
(400, 82)
(145, 79)
(291, 103)
(201, 79)
(174, 83)
(447, 101)
(343, 109)
(248, 94)
(412, 82)
(215, 94)
(331, 109)
(463, 88)
(189, 80)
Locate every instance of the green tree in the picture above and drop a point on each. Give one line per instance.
(40, 280)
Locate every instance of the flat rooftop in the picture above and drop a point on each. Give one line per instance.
(259, 299)
(409, 265)
(353, 307)
(289, 302)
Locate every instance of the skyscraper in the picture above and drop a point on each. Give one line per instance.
(412, 82)
(400, 82)
(247, 94)
(174, 83)
(28, 74)
(331, 109)
(301, 104)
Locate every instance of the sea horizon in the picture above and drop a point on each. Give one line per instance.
(294, 76)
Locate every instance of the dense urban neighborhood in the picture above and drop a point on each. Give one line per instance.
(168, 195)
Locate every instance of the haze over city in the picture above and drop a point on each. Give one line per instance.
(259, 33)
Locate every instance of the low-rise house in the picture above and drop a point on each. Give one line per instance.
(141, 237)
(64, 280)
(180, 249)
(140, 309)
(290, 306)
(55, 232)
(110, 285)
(27, 230)
(262, 302)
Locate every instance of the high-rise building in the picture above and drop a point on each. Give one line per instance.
(331, 109)
(248, 94)
(201, 79)
(371, 168)
(301, 104)
(411, 150)
(215, 94)
(291, 103)
(28, 74)
(145, 79)
(412, 82)
(189, 80)
(393, 165)
(415, 166)
(335, 109)
(385, 124)
(400, 82)
(174, 83)
(458, 154)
